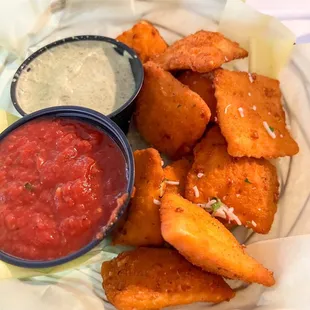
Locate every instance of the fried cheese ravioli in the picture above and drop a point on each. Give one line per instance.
(202, 51)
(144, 39)
(251, 116)
(175, 173)
(150, 278)
(142, 226)
(248, 185)
(202, 84)
(168, 114)
(206, 243)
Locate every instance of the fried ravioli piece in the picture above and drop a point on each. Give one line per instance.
(177, 172)
(251, 116)
(206, 243)
(249, 185)
(202, 84)
(144, 39)
(142, 226)
(202, 51)
(168, 114)
(148, 278)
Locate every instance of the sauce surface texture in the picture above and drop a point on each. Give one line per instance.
(84, 73)
(60, 181)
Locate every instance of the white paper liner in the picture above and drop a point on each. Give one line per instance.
(81, 288)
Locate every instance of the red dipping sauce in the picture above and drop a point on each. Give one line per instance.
(60, 181)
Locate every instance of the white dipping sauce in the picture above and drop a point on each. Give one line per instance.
(83, 73)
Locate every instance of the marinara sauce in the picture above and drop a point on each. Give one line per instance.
(60, 181)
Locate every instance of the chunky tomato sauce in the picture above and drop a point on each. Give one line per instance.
(60, 180)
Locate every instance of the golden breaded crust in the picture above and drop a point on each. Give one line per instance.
(168, 114)
(202, 51)
(148, 278)
(142, 226)
(206, 243)
(202, 84)
(144, 39)
(260, 99)
(177, 171)
(248, 185)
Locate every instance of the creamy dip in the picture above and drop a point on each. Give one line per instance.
(84, 73)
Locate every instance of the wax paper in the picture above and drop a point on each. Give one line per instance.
(285, 249)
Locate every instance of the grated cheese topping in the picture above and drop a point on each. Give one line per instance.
(250, 94)
(196, 191)
(241, 112)
(254, 224)
(254, 107)
(172, 182)
(156, 202)
(232, 216)
(271, 133)
(223, 211)
(226, 108)
(250, 78)
(200, 175)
